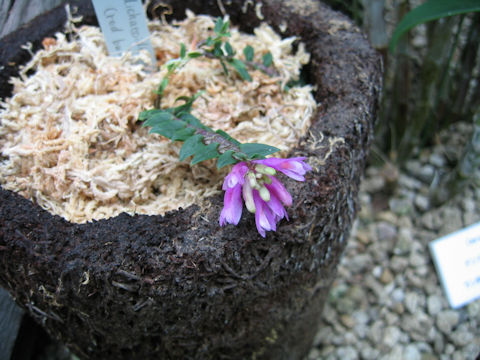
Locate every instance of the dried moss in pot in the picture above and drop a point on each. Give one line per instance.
(180, 286)
(71, 135)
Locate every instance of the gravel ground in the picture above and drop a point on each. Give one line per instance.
(387, 302)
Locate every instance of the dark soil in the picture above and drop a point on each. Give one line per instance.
(178, 286)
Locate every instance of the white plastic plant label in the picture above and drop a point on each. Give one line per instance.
(124, 25)
(457, 259)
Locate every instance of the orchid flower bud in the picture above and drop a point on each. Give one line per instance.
(252, 179)
(248, 197)
(264, 193)
(266, 170)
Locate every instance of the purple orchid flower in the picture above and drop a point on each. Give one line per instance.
(263, 193)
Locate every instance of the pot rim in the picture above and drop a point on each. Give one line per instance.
(333, 132)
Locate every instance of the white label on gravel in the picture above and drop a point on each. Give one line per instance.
(457, 259)
(124, 26)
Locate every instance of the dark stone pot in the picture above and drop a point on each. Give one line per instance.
(178, 286)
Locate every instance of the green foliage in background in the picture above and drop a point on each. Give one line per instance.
(432, 10)
(432, 78)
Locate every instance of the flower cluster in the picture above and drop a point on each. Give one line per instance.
(263, 193)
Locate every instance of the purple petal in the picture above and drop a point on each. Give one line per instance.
(277, 189)
(232, 206)
(277, 208)
(264, 218)
(293, 167)
(236, 176)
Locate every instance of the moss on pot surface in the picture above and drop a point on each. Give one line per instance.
(179, 286)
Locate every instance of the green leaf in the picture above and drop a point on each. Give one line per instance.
(183, 134)
(209, 41)
(226, 159)
(205, 153)
(158, 117)
(248, 52)
(432, 10)
(292, 83)
(257, 151)
(225, 26)
(184, 98)
(185, 108)
(229, 49)
(194, 54)
(191, 146)
(147, 114)
(183, 50)
(162, 86)
(172, 65)
(228, 137)
(217, 49)
(218, 26)
(225, 69)
(239, 65)
(267, 59)
(167, 127)
(192, 120)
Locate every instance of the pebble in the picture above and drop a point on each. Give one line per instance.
(347, 353)
(439, 343)
(348, 321)
(368, 353)
(411, 352)
(461, 338)
(422, 202)
(409, 183)
(423, 172)
(357, 293)
(398, 295)
(360, 262)
(472, 350)
(345, 305)
(376, 332)
(404, 242)
(423, 347)
(400, 206)
(363, 237)
(468, 205)
(387, 217)
(386, 231)
(434, 304)
(437, 160)
(446, 320)
(449, 349)
(391, 336)
(395, 354)
(377, 271)
(386, 277)
(431, 221)
(422, 270)
(398, 263)
(469, 218)
(452, 220)
(411, 302)
(417, 259)
(473, 309)
(398, 308)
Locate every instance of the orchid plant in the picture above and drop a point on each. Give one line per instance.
(253, 174)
